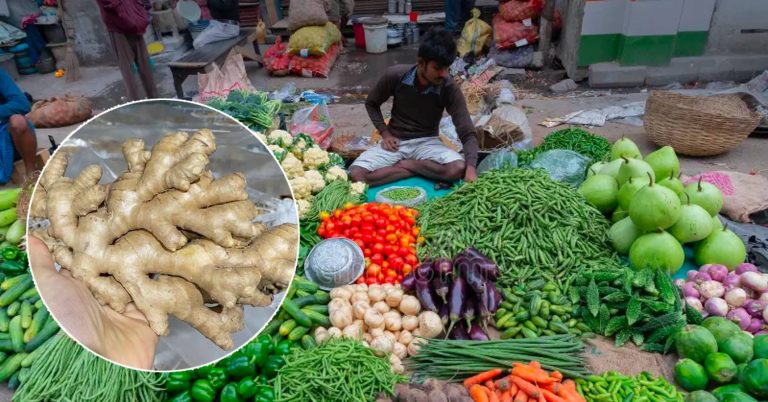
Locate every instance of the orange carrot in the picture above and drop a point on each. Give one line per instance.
(502, 384)
(557, 376)
(481, 377)
(535, 364)
(490, 385)
(570, 394)
(569, 384)
(551, 397)
(478, 394)
(541, 399)
(534, 375)
(527, 387)
(493, 396)
(553, 387)
(521, 396)
(513, 389)
(507, 396)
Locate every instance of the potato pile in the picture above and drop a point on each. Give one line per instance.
(383, 317)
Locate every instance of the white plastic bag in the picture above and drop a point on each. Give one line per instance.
(215, 32)
(314, 121)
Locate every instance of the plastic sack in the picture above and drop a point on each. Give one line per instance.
(219, 82)
(315, 66)
(304, 13)
(562, 165)
(314, 121)
(276, 60)
(503, 158)
(513, 34)
(448, 133)
(313, 41)
(60, 111)
(382, 198)
(474, 36)
(508, 125)
(520, 10)
(512, 58)
(216, 31)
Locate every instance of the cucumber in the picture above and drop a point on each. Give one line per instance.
(287, 327)
(6, 345)
(317, 318)
(528, 333)
(26, 314)
(3, 356)
(39, 305)
(305, 285)
(23, 374)
(9, 282)
(322, 297)
(5, 320)
(8, 198)
(14, 382)
(10, 366)
(13, 309)
(32, 292)
(535, 305)
(308, 342)
(4, 336)
(539, 322)
(297, 333)
(296, 313)
(511, 332)
(49, 329)
(269, 329)
(32, 356)
(303, 301)
(16, 232)
(301, 293)
(38, 320)
(17, 334)
(7, 217)
(13, 293)
(320, 308)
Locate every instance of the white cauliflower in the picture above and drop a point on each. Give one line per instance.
(335, 173)
(280, 137)
(315, 179)
(303, 206)
(315, 157)
(358, 187)
(299, 146)
(292, 166)
(302, 190)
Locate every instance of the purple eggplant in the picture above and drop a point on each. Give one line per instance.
(469, 311)
(472, 252)
(424, 293)
(475, 280)
(424, 270)
(409, 282)
(456, 302)
(444, 312)
(443, 268)
(476, 333)
(487, 269)
(459, 332)
(493, 297)
(440, 287)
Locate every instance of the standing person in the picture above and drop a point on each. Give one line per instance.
(17, 134)
(457, 12)
(410, 143)
(126, 22)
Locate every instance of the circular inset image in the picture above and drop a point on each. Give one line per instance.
(162, 235)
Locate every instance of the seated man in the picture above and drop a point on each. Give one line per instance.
(410, 144)
(13, 106)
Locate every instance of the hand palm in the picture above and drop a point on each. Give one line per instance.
(125, 338)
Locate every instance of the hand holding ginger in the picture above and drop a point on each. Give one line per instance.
(123, 338)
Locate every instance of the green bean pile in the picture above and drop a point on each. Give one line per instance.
(573, 139)
(613, 386)
(335, 195)
(336, 370)
(530, 225)
(458, 359)
(401, 194)
(65, 371)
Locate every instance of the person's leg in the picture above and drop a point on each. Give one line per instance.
(442, 172)
(142, 63)
(376, 166)
(24, 140)
(452, 15)
(379, 176)
(125, 58)
(430, 158)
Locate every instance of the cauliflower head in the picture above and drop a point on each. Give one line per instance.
(303, 206)
(277, 151)
(358, 187)
(335, 173)
(280, 137)
(315, 157)
(302, 190)
(292, 166)
(315, 180)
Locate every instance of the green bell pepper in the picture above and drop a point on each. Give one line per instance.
(178, 381)
(239, 367)
(182, 397)
(10, 253)
(266, 394)
(229, 393)
(248, 387)
(202, 372)
(202, 391)
(284, 347)
(217, 377)
(259, 350)
(274, 363)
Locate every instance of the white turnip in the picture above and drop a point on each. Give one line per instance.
(736, 297)
(710, 289)
(740, 317)
(716, 306)
(755, 281)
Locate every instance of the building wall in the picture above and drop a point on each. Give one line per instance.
(91, 40)
(739, 27)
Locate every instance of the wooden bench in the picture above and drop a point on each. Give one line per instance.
(200, 60)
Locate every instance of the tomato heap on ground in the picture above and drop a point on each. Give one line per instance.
(387, 235)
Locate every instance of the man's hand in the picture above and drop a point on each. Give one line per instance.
(470, 174)
(125, 337)
(389, 142)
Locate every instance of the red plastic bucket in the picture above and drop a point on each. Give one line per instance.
(357, 28)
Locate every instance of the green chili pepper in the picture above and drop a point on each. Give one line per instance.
(239, 367)
(229, 393)
(10, 253)
(259, 350)
(202, 391)
(179, 381)
(274, 363)
(182, 397)
(217, 377)
(247, 387)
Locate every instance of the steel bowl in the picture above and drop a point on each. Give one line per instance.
(334, 262)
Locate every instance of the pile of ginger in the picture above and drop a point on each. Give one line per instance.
(166, 235)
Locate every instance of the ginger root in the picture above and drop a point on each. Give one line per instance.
(166, 235)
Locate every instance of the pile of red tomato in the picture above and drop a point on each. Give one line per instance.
(387, 234)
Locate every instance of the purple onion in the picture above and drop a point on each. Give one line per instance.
(702, 277)
(718, 272)
(689, 290)
(745, 267)
(740, 317)
(755, 325)
(754, 307)
(716, 306)
(691, 275)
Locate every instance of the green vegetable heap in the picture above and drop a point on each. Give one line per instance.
(254, 109)
(401, 194)
(613, 386)
(530, 225)
(573, 139)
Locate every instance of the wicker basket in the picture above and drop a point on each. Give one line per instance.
(698, 125)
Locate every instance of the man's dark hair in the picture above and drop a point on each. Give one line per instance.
(439, 46)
